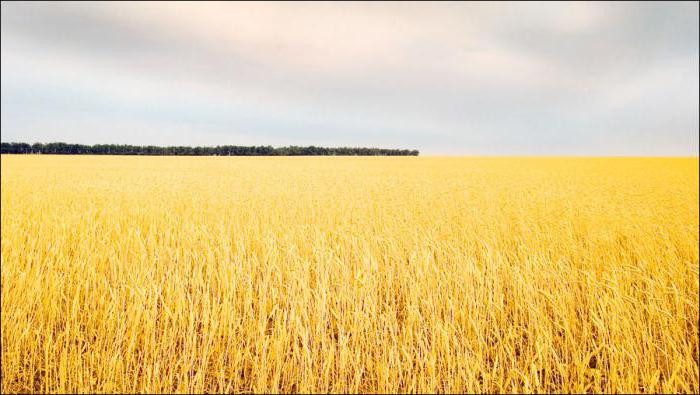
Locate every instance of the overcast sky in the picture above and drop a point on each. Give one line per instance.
(445, 78)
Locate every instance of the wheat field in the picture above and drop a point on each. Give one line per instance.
(349, 274)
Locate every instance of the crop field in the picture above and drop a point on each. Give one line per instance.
(349, 274)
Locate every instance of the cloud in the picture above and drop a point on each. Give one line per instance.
(452, 78)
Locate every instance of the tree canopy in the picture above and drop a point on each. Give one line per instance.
(221, 150)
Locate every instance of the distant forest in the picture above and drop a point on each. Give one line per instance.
(222, 150)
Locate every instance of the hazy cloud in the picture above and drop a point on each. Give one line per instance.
(446, 78)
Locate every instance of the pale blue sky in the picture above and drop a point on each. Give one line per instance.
(444, 78)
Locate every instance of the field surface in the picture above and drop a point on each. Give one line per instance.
(349, 274)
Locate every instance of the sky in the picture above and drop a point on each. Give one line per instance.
(445, 78)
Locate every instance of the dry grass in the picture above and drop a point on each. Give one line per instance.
(155, 274)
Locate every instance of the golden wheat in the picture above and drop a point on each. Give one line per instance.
(329, 274)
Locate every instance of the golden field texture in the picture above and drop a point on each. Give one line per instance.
(349, 274)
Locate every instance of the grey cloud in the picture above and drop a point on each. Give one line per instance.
(493, 79)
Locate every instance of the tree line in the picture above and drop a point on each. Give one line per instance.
(221, 150)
